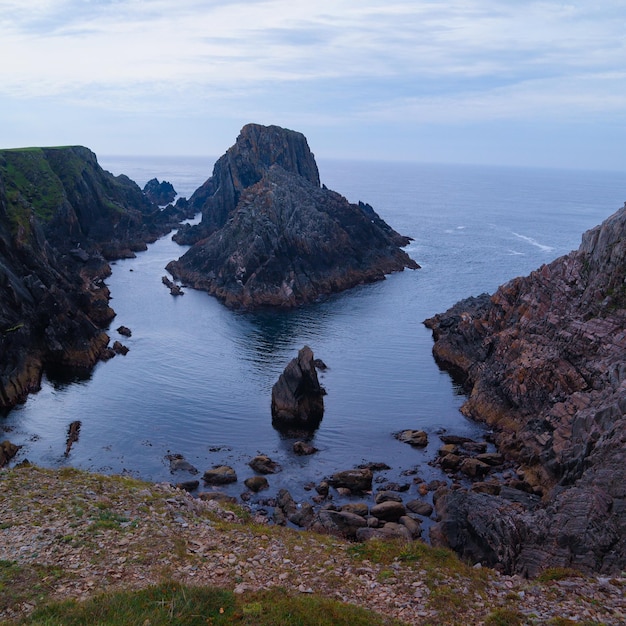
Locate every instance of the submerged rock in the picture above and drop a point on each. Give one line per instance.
(543, 362)
(272, 236)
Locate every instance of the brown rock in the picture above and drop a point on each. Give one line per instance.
(220, 475)
(388, 511)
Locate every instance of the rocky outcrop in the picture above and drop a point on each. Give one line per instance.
(297, 396)
(271, 236)
(543, 361)
(60, 216)
(159, 193)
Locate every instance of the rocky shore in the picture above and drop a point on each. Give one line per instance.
(71, 535)
(272, 236)
(543, 363)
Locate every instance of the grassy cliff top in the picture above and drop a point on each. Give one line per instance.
(120, 551)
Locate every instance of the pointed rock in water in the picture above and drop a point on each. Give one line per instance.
(543, 362)
(270, 236)
(297, 396)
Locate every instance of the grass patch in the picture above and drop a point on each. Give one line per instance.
(505, 617)
(171, 603)
(558, 573)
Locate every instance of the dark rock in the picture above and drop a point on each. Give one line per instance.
(124, 330)
(179, 464)
(161, 193)
(358, 508)
(419, 507)
(120, 348)
(491, 488)
(389, 511)
(412, 525)
(474, 468)
(175, 289)
(322, 488)
(256, 483)
(543, 362)
(384, 496)
(304, 516)
(375, 466)
(388, 531)
(73, 433)
(285, 507)
(341, 523)
(271, 236)
(297, 396)
(417, 438)
(450, 462)
(220, 475)
(356, 480)
(491, 458)
(302, 448)
(264, 465)
(7, 451)
(188, 485)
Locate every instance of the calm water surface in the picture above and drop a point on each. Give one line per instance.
(198, 377)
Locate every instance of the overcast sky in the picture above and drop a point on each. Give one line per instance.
(513, 82)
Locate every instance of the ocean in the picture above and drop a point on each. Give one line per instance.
(197, 379)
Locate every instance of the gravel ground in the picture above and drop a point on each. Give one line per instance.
(90, 533)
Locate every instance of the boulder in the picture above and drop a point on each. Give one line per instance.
(420, 507)
(297, 396)
(264, 465)
(302, 448)
(161, 193)
(256, 483)
(179, 464)
(417, 438)
(358, 508)
(356, 480)
(220, 475)
(389, 511)
(341, 523)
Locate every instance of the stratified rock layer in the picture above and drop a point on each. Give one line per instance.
(270, 236)
(543, 360)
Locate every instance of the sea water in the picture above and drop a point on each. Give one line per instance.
(198, 377)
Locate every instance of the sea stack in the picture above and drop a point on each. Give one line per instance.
(543, 361)
(272, 236)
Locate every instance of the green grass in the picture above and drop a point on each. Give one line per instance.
(171, 603)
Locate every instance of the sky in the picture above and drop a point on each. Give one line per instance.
(506, 82)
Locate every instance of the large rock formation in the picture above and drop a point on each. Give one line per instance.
(543, 361)
(271, 236)
(59, 214)
(297, 396)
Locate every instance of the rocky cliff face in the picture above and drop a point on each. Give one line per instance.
(543, 361)
(274, 237)
(59, 213)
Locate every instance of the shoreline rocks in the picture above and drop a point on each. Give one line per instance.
(542, 360)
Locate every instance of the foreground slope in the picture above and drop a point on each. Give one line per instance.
(544, 362)
(272, 236)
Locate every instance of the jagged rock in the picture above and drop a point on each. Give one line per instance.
(161, 193)
(220, 475)
(297, 396)
(120, 348)
(542, 360)
(270, 236)
(124, 330)
(73, 432)
(175, 289)
(264, 465)
(356, 480)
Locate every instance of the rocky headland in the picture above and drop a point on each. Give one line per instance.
(62, 218)
(543, 362)
(272, 236)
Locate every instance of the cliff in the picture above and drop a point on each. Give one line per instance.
(60, 213)
(270, 235)
(543, 361)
